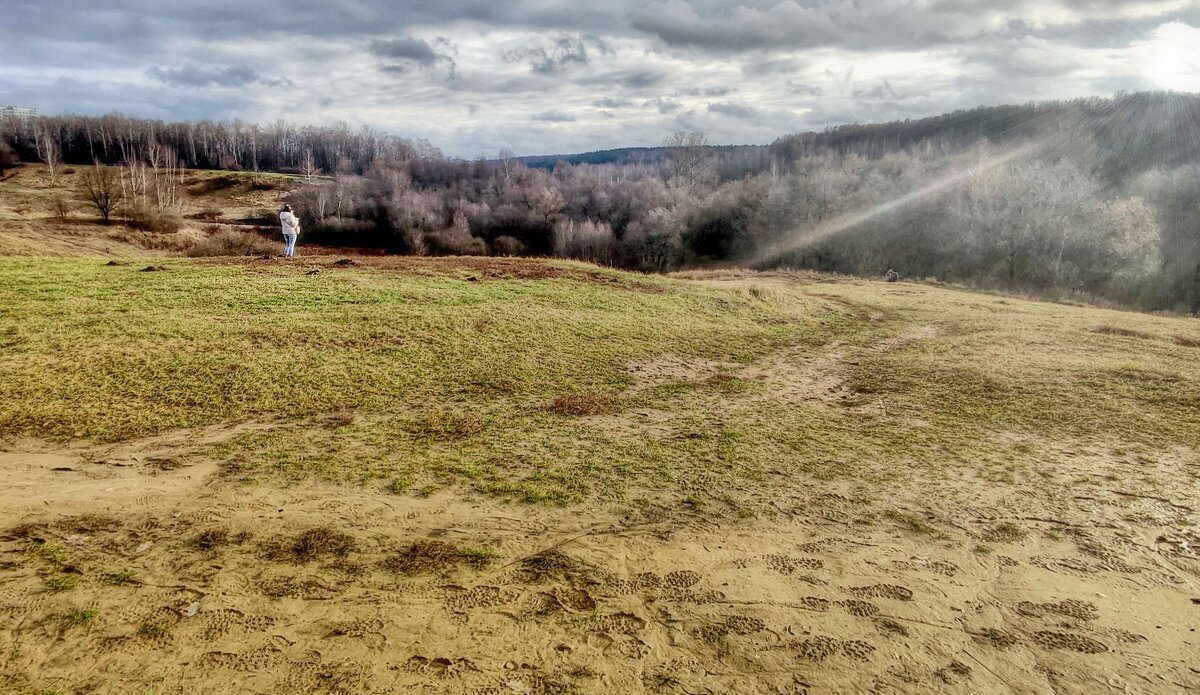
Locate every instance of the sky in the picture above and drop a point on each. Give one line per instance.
(545, 77)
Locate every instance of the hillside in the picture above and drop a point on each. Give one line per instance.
(501, 475)
(211, 201)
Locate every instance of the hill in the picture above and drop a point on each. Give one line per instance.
(472, 474)
(622, 156)
(211, 202)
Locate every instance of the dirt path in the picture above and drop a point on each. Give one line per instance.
(1092, 597)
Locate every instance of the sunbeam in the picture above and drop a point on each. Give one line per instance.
(799, 238)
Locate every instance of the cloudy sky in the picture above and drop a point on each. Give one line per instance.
(550, 76)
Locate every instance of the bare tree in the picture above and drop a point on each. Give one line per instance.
(308, 165)
(47, 150)
(689, 157)
(101, 187)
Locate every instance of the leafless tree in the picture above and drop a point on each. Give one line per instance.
(48, 152)
(101, 187)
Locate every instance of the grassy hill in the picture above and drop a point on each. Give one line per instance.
(212, 201)
(737, 481)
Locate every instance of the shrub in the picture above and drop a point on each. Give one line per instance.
(149, 219)
(229, 242)
(60, 208)
(508, 246)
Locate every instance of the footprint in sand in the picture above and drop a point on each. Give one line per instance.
(891, 591)
(1069, 640)
(1071, 608)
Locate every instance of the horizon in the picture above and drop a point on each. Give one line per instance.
(545, 79)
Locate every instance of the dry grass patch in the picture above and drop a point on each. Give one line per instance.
(435, 556)
(315, 543)
(446, 425)
(1107, 329)
(1186, 341)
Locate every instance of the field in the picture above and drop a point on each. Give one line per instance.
(499, 476)
(367, 474)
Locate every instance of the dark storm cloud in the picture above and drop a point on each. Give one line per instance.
(404, 53)
(405, 48)
(561, 53)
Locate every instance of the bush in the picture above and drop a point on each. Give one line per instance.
(508, 246)
(149, 219)
(60, 208)
(448, 243)
(233, 243)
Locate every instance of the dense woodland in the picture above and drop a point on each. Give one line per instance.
(1094, 197)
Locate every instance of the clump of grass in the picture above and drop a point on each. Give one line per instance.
(1187, 341)
(984, 549)
(121, 578)
(446, 425)
(912, 523)
(434, 556)
(1006, 532)
(154, 629)
(478, 555)
(399, 485)
(52, 553)
(58, 582)
(81, 616)
(1107, 329)
(310, 545)
(582, 404)
(213, 538)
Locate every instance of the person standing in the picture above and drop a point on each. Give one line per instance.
(291, 230)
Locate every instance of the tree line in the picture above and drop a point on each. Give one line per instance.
(1091, 197)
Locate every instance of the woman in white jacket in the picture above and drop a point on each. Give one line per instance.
(291, 230)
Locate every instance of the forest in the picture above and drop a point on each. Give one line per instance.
(1092, 199)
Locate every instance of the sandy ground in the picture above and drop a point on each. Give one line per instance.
(1097, 596)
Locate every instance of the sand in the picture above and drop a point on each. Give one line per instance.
(1093, 594)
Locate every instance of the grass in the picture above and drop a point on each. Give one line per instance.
(426, 556)
(81, 616)
(122, 578)
(313, 544)
(532, 383)
(154, 629)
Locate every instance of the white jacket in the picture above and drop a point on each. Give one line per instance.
(291, 225)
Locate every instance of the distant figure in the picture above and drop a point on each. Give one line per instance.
(891, 276)
(291, 230)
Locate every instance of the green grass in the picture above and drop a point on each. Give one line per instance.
(81, 616)
(122, 578)
(154, 629)
(420, 381)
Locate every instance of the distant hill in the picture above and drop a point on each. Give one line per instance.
(627, 155)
